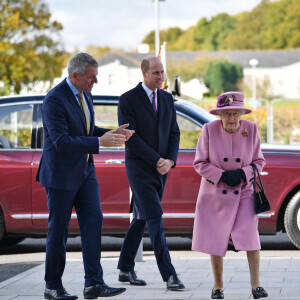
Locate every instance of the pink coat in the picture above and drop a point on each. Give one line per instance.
(221, 210)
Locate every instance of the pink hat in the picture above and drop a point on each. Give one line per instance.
(230, 100)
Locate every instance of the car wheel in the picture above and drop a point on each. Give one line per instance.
(4, 239)
(292, 220)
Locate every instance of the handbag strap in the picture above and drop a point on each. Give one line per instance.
(256, 174)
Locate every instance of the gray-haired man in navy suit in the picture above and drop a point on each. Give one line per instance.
(67, 172)
(149, 155)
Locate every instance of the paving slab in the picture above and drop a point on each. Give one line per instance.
(279, 275)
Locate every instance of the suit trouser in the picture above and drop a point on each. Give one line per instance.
(133, 239)
(86, 201)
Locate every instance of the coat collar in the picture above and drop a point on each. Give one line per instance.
(71, 98)
(146, 102)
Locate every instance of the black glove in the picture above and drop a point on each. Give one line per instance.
(234, 177)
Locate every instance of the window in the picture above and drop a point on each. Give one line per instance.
(15, 126)
(189, 133)
(106, 116)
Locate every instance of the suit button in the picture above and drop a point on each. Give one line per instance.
(236, 192)
(224, 192)
(226, 159)
(238, 160)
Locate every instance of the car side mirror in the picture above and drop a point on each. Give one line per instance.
(177, 87)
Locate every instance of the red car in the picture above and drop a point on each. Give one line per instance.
(23, 205)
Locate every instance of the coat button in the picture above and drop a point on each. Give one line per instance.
(224, 192)
(236, 192)
(225, 159)
(238, 160)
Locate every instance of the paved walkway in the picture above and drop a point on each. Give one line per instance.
(280, 276)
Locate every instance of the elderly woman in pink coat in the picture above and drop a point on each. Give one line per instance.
(225, 204)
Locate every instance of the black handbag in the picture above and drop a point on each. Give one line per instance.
(261, 203)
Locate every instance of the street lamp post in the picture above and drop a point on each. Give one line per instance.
(157, 41)
(253, 63)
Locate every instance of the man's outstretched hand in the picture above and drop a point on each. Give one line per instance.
(116, 137)
(126, 132)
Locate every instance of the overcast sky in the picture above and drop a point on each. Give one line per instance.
(124, 23)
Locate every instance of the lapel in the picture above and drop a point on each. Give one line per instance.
(70, 97)
(145, 100)
(89, 101)
(160, 104)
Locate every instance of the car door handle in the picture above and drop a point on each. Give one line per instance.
(115, 161)
(264, 173)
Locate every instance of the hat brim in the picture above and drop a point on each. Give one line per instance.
(216, 110)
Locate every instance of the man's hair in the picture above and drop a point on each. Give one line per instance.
(79, 62)
(146, 63)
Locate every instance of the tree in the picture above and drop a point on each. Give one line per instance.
(29, 52)
(223, 76)
(96, 51)
(270, 25)
(170, 36)
(188, 70)
(209, 35)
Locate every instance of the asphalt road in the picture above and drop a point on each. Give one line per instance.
(31, 252)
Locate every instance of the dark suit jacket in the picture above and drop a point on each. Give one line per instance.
(66, 144)
(156, 136)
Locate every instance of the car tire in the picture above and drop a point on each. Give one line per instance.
(4, 239)
(292, 220)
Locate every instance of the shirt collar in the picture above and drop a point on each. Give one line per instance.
(147, 90)
(72, 87)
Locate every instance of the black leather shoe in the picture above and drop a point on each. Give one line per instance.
(130, 277)
(217, 294)
(101, 290)
(259, 292)
(60, 294)
(174, 284)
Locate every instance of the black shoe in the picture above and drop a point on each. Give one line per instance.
(174, 284)
(101, 290)
(60, 294)
(259, 292)
(130, 277)
(217, 294)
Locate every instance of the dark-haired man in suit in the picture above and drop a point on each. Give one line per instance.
(149, 155)
(67, 172)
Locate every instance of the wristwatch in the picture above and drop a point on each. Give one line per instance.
(173, 163)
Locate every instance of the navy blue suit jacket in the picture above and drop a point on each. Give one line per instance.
(156, 136)
(66, 144)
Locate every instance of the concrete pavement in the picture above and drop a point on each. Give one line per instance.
(280, 276)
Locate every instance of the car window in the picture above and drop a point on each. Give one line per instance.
(189, 133)
(16, 126)
(106, 116)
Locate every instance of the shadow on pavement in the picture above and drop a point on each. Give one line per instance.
(272, 242)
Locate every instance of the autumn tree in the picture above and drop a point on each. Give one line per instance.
(170, 36)
(30, 48)
(97, 51)
(270, 25)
